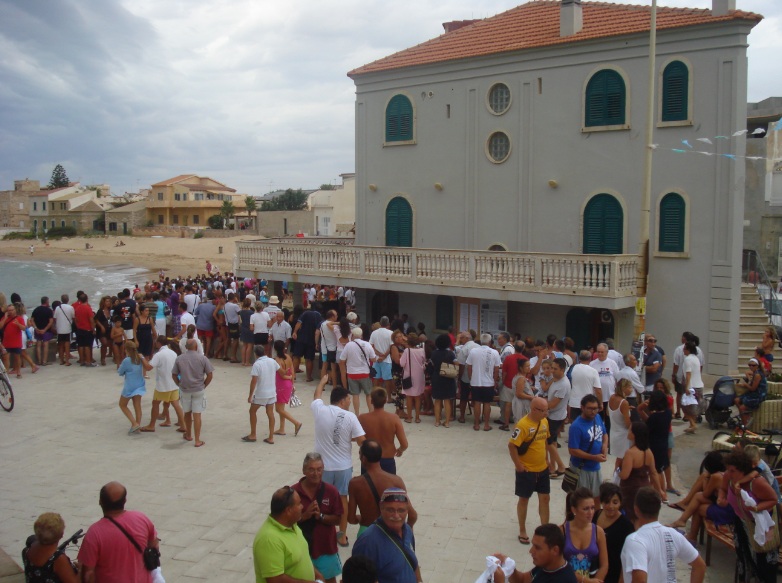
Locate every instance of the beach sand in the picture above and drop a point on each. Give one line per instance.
(178, 257)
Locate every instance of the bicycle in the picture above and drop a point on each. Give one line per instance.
(6, 391)
(764, 440)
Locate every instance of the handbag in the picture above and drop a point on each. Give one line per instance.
(294, 402)
(150, 555)
(449, 370)
(572, 474)
(407, 382)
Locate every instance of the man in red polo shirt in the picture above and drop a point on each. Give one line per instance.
(84, 318)
(510, 368)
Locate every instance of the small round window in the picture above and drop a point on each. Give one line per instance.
(498, 147)
(499, 98)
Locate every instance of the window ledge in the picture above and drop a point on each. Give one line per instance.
(672, 255)
(400, 143)
(589, 129)
(675, 124)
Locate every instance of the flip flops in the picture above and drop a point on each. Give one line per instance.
(524, 540)
(340, 534)
(248, 439)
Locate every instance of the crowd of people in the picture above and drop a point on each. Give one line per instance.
(176, 327)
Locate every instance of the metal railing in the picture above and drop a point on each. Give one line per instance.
(753, 272)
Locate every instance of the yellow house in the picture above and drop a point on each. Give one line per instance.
(188, 200)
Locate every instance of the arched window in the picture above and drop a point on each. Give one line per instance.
(672, 217)
(399, 223)
(44, 224)
(443, 312)
(676, 86)
(603, 225)
(399, 119)
(605, 99)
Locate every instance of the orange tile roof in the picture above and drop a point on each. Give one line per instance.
(536, 24)
(174, 180)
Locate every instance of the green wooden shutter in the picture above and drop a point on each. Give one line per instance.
(605, 99)
(603, 226)
(675, 92)
(399, 119)
(672, 214)
(399, 223)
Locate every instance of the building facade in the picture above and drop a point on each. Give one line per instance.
(14, 211)
(189, 200)
(499, 172)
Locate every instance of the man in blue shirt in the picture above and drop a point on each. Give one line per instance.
(588, 446)
(389, 542)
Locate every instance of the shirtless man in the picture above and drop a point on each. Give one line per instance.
(383, 427)
(360, 494)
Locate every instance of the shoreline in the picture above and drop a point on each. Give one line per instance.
(177, 257)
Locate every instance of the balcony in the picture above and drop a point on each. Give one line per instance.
(607, 281)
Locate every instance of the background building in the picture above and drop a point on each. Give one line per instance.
(189, 200)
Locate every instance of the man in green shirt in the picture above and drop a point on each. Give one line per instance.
(280, 551)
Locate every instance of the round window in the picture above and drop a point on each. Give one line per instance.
(498, 147)
(499, 98)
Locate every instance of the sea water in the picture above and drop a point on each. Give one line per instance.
(32, 279)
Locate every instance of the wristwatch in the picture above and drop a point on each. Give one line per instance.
(320, 517)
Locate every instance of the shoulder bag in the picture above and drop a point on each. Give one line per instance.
(522, 449)
(372, 371)
(73, 324)
(150, 554)
(572, 474)
(449, 370)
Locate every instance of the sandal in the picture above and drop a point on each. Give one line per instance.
(524, 540)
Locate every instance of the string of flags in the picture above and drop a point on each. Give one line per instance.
(690, 149)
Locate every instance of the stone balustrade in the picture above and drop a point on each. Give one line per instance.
(611, 276)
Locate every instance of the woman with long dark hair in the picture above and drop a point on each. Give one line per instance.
(616, 526)
(443, 388)
(637, 467)
(284, 381)
(657, 415)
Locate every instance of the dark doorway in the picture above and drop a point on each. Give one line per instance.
(385, 303)
(577, 327)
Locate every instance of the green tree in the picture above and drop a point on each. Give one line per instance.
(290, 200)
(249, 202)
(328, 187)
(215, 222)
(227, 210)
(59, 177)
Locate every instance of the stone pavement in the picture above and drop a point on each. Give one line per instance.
(66, 438)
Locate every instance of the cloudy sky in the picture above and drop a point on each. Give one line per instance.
(253, 93)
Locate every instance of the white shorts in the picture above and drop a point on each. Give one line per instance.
(506, 394)
(129, 334)
(160, 326)
(264, 402)
(193, 402)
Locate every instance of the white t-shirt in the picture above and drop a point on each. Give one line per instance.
(192, 301)
(617, 358)
(280, 331)
(355, 361)
(335, 430)
(185, 319)
(678, 360)
(63, 317)
(560, 389)
(265, 369)
(607, 370)
(232, 312)
(380, 340)
(506, 351)
(692, 365)
(584, 381)
(183, 344)
(483, 360)
(653, 549)
(462, 352)
(632, 376)
(259, 322)
(163, 361)
(328, 340)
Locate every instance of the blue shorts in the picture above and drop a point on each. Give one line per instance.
(329, 565)
(339, 479)
(388, 464)
(383, 370)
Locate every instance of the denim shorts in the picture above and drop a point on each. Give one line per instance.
(339, 479)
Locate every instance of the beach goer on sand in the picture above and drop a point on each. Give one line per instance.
(63, 322)
(165, 389)
(192, 373)
(263, 392)
(12, 326)
(117, 340)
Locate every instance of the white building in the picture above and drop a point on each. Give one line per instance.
(499, 172)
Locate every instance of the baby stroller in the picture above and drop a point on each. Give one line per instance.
(720, 402)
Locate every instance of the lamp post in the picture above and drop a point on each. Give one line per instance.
(642, 276)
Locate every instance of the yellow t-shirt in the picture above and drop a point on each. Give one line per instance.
(535, 457)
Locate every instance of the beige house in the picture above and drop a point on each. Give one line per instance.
(125, 218)
(188, 200)
(334, 211)
(14, 204)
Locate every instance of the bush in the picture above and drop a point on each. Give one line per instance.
(198, 235)
(19, 236)
(150, 224)
(215, 222)
(61, 232)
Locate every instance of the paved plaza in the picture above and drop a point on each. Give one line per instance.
(67, 437)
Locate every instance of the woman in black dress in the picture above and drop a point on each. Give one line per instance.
(103, 327)
(658, 417)
(616, 527)
(443, 388)
(143, 332)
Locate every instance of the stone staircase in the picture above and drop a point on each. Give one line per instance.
(751, 325)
